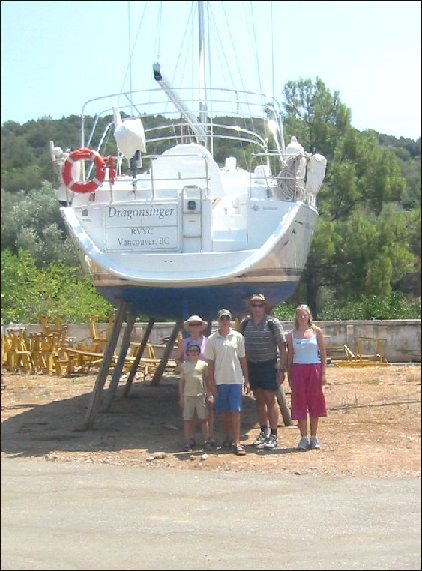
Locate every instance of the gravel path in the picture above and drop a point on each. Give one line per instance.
(59, 515)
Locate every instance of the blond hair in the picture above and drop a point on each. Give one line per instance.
(305, 308)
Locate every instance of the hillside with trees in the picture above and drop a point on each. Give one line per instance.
(365, 255)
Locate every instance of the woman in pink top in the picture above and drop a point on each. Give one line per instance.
(306, 360)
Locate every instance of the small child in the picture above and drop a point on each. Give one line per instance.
(193, 396)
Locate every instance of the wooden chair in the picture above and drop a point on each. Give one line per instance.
(99, 338)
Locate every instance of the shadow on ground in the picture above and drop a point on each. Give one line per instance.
(148, 419)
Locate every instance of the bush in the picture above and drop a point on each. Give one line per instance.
(396, 306)
(56, 291)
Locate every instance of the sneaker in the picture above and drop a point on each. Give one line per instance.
(192, 442)
(303, 444)
(187, 447)
(271, 442)
(261, 438)
(239, 450)
(314, 443)
(208, 445)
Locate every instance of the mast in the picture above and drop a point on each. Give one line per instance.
(130, 56)
(203, 112)
(198, 124)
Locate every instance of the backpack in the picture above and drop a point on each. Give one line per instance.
(245, 322)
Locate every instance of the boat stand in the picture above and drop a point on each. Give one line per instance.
(166, 355)
(138, 357)
(105, 366)
(121, 316)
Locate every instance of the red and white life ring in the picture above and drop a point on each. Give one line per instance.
(88, 185)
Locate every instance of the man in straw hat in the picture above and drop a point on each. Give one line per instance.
(264, 339)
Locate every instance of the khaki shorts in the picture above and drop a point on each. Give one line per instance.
(195, 404)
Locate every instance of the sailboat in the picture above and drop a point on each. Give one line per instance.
(196, 204)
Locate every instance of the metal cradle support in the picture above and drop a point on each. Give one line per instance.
(170, 344)
(138, 357)
(105, 366)
(120, 362)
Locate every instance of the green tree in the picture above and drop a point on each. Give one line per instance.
(352, 252)
(314, 115)
(56, 290)
(31, 221)
(365, 254)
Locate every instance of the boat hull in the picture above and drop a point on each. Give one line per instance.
(203, 282)
(180, 302)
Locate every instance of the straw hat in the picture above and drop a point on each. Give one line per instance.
(258, 297)
(196, 319)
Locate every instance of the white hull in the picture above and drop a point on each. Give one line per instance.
(124, 252)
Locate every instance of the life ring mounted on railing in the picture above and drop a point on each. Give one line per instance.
(84, 155)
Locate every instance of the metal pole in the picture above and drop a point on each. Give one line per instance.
(105, 366)
(160, 369)
(120, 361)
(139, 354)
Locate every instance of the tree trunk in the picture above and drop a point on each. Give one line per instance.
(311, 283)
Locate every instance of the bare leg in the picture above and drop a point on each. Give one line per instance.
(272, 411)
(188, 429)
(227, 426)
(303, 427)
(210, 407)
(313, 421)
(261, 407)
(235, 423)
(205, 429)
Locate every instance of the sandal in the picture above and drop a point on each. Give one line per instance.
(239, 450)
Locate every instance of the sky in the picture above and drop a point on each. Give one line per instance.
(57, 55)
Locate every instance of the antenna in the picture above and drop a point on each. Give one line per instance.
(130, 54)
(272, 49)
(202, 86)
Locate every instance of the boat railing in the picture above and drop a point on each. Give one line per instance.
(231, 114)
(214, 131)
(167, 173)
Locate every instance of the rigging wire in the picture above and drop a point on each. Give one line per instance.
(158, 35)
(131, 52)
(272, 51)
(255, 43)
(130, 55)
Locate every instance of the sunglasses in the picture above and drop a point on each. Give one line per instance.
(257, 304)
(225, 318)
(195, 324)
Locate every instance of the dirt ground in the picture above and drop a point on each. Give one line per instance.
(372, 428)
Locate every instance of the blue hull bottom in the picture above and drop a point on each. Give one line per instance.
(179, 303)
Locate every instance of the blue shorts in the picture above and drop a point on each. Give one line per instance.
(229, 398)
(263, 375)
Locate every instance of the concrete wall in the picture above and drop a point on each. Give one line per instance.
(402, 337)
